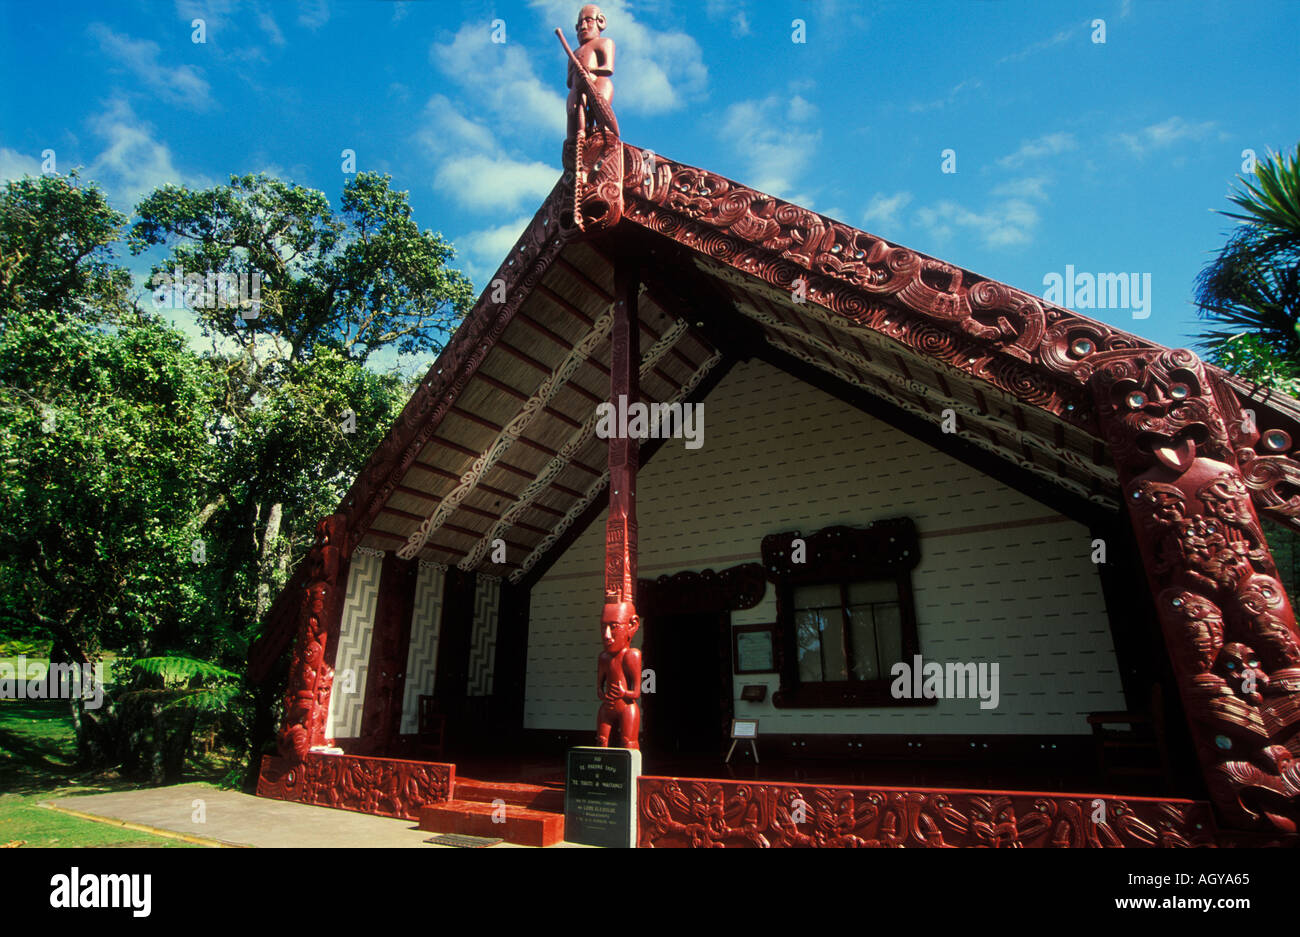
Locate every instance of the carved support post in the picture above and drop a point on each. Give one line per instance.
(618, 670)
(311, 670)
(1228, 624)
(624, 449)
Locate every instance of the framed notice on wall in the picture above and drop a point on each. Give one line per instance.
(752, 650)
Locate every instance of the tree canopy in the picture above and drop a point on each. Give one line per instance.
(155, 498)
(1250, 292)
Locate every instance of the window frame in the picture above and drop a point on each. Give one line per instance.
(882, 551)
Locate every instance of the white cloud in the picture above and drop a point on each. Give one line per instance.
(882, 211)
(735, 12)
(313, 13)
(918, 107)
(1006, 224)
(1060, 36)
(655, 71)
(446, 129)
(498, 79)
(487, 182)
(800, 110)
(15, 165)
(1165, 133)
(214, 13)
(775, 146)
(1050, 144)
(482, 251)
(270, 27)
(1028, 187)
(183, 85)
(133, 162)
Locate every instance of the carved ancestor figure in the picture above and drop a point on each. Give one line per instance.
(593, 151)
(1229, 627)
(618, 677)
(310, 675)
(595, 58)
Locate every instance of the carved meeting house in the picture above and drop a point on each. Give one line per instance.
(901, 459)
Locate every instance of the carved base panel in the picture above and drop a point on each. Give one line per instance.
(385, 787)
(692, 812)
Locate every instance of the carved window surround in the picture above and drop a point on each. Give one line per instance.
(883, 550)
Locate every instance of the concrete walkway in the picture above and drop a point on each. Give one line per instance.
(233, 818)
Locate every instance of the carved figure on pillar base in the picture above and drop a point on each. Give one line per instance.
(310, 676)
(1227, 622)
(618, 677)
(593, 152)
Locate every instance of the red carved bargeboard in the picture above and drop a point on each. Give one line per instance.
(385, 787)
(1178, 443)
(687, 812)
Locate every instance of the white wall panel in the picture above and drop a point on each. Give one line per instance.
(352, 659)
(483, 639)
(422, 654)
(781, 455)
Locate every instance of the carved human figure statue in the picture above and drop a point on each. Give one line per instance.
(618, 677)
(596, 55)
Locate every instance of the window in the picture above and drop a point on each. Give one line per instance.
(844, 613)
(847, 631)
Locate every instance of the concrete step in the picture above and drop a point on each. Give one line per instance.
(513, 823)
(533, 796)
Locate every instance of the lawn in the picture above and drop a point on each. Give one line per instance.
(37, 764)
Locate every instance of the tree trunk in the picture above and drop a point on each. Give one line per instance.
(269, 539)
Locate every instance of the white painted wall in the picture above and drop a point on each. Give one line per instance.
(422, 652)
(352, 659)
(781, 455)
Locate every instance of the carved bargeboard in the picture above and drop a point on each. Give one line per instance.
(1228, 625)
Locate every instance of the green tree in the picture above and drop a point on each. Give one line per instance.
(56, 250)
(301, 406)
(103, 415)
(101, 432)
(1251, 290)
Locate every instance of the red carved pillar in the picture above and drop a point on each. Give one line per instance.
(624, 450)
(1227, 621)
(311, 670)
(618, 671)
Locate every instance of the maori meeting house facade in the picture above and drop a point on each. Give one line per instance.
(878, 458)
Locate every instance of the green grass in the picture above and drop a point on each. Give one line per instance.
(22, 819)
(36, 745)
(37, 763)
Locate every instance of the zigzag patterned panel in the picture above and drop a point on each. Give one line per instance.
(422, 657)
(355, 630)
(483, 646)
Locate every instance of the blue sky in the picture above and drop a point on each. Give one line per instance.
(1108, 157)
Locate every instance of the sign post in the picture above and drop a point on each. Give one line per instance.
(600, 796)
(746, 729)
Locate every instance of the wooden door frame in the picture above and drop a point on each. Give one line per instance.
(706, 592)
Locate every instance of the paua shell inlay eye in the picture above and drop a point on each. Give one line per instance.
(1277, 440)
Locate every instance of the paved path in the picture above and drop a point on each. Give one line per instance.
(238, 819)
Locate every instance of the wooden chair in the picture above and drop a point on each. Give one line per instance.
(1138, 749)
(432, 729)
